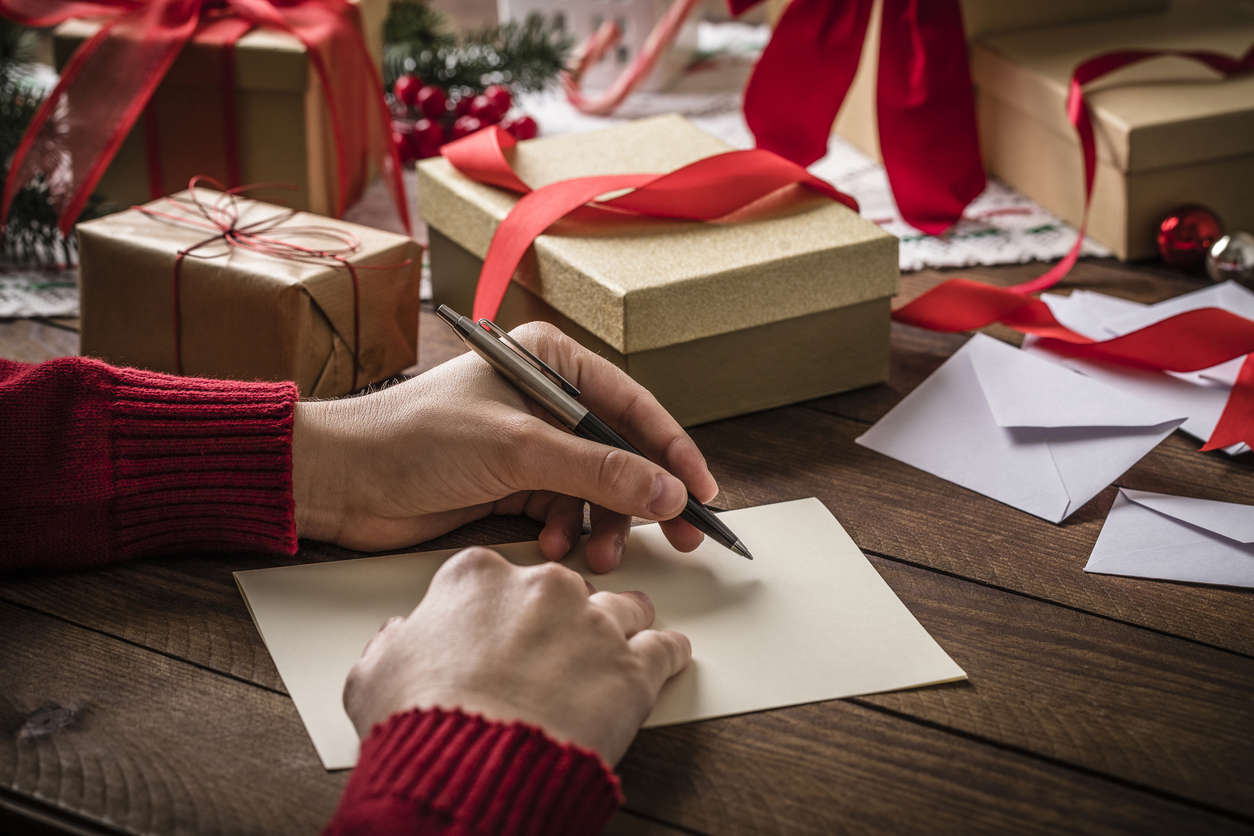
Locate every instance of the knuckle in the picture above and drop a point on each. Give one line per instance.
(614, 472)
(556, 577)
(536, 335)
(473, 559)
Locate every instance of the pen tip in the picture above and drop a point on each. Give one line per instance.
(739, 548)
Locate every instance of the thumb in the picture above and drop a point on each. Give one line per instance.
(606, 476)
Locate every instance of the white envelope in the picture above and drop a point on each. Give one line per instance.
(1020, 429)
(1154, 535)
(1196, 395)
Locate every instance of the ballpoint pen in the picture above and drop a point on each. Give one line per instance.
(541, 382)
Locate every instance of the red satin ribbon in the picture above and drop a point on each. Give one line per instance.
(1187, 342)
(110, 79)
(221, 219)
(716, 186)
(702, 191)
(924, 99)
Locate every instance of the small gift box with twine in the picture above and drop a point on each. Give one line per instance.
(787, 300)
(211, 284)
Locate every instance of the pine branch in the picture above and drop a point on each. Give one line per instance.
(524, 55)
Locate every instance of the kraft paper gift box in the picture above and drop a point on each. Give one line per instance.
(246, 315)
(857, 119)
(1168, 131)
(716, 319)
(284, 131)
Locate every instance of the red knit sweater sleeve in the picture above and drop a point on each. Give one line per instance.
(446, 772)
(102, 463)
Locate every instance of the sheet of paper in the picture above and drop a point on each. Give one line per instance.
(809, 619)
(1154, 535)
(1024, 431)
(1194, 395)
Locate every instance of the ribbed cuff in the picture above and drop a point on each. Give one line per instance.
(479, 776)
(200, 464)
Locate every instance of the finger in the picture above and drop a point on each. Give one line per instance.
(682, 534)
(631, 611)
(547, 458)
(664, 653)
(563, 522)
(604, 550)
(626, 405)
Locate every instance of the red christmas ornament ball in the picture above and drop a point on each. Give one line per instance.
(500, 96)
(431, 101)
(461, 107)
(521, 127)
(426, 138)
(1185, 234)
(465, 125)
(485, 110)
(406, 88)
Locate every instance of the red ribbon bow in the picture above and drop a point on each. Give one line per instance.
(925, 105)
(110, 79)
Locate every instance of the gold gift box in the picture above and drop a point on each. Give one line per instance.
(284, 132)
(246, 315)
(1168, 131)
(716, 319)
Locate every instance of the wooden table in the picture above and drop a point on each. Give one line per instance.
(139, 698)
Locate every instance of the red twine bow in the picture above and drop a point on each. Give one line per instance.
(221, 217)
(111, 78)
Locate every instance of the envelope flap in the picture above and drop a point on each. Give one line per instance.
(1023, 390)
(1227, 519)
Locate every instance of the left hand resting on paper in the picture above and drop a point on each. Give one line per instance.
(458, 443)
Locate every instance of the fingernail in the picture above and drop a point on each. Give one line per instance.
(667, 497)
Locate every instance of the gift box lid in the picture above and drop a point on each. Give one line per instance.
(643, 283)
(265, 59)
(1161, 113)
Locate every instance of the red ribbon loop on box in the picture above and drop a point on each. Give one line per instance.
(111, 78)
(924, 99)
(701, 191)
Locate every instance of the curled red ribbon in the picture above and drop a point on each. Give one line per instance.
(702, 191)
(221, 218)
(110, 79)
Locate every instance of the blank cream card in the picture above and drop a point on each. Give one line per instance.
(809, 619)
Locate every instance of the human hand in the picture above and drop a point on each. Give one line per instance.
(458, 442)
(520, 643)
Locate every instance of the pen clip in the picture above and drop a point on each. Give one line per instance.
(567, 387)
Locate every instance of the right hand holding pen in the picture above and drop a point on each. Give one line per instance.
(458, 442)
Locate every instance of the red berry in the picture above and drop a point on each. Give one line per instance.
(521, 127)
(461, 107)
(401, 142)
(406, 89)
(485, 110)
(465, 125)
(500, 96)
(431, 101)
(426, 138)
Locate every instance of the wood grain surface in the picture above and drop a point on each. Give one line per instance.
(139, 699)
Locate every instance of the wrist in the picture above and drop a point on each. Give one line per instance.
(317, 477)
